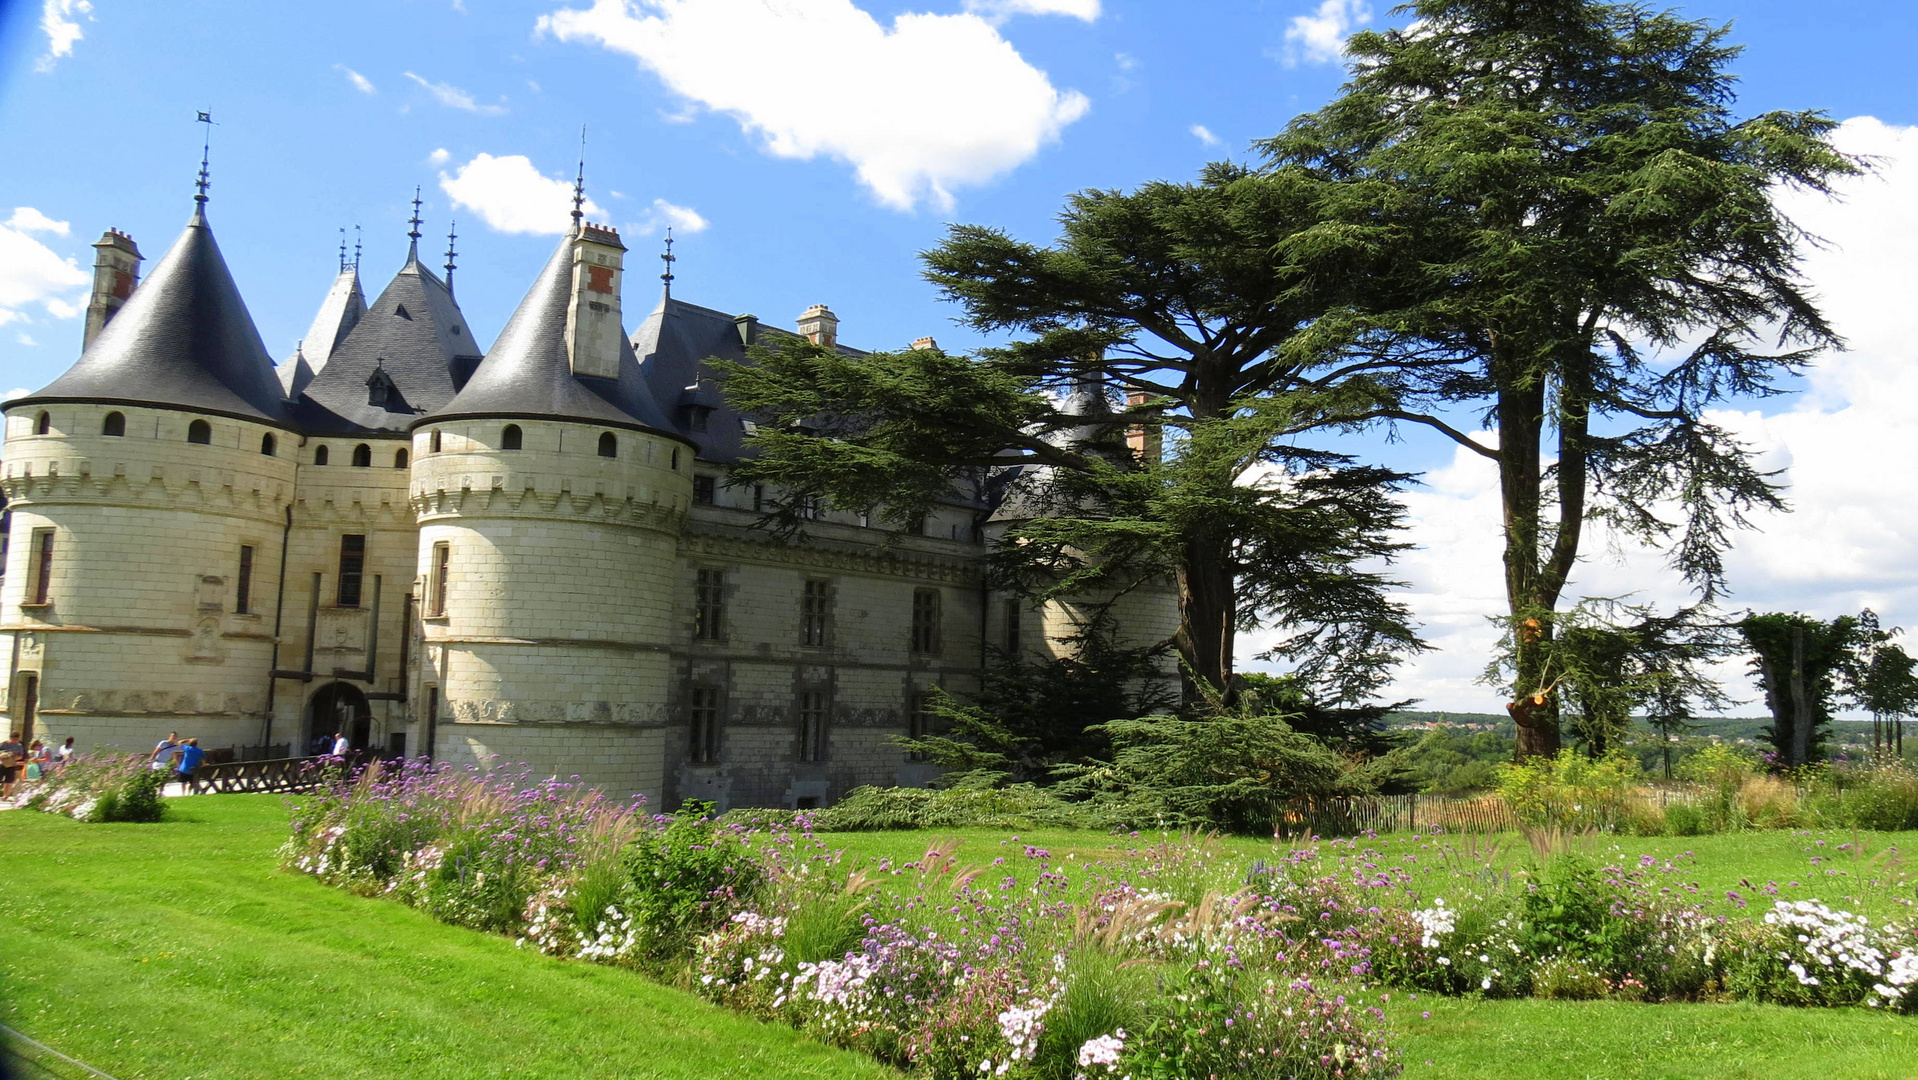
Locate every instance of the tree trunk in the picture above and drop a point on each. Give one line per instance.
(1521, 406)
(1208, 610)
(1800, 700)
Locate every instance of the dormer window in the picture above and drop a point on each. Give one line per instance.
(400, 310)
(379, 388)
(698, 416)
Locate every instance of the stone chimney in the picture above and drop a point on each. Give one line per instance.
(593, 334)
(748, 327)
(924, 343)
(116, 270)
(819, 326)
(1146, 440)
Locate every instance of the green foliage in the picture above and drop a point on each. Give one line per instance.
(1449, 760)
(135, 798)
(685, 880)
(976, 801)
(102, 787)
(1570, 790)
(1559, 200)
(1806, 667)
(1232, 771)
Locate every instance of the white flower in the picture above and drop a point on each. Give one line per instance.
(1103, 1050)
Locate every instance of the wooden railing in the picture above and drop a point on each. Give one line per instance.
(1350, 815)
(274, 774)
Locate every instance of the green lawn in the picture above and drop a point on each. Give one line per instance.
(178, 950)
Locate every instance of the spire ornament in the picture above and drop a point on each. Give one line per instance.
(356, 249)
(413, 234)
(206, 151)
(451, 235)
(579, 183)
(668, 259)
(343, 263)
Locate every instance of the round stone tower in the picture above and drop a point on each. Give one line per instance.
(549, 493)
(147, 490)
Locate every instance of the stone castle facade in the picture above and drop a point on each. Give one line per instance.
(523, 554)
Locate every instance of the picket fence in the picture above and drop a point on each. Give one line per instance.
(1350, 815)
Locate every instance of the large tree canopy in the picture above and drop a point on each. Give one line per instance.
(1183, 297)
(1587, 255)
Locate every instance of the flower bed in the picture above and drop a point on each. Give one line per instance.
(1179, 959)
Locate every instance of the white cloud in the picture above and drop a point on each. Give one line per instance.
(662, 215)
(360, 82)
(26, 339)
(60, 20)
(27, 219)
(32, 273)
(510, 195)
(1000, 10)
(1319, 37)
(454, 98)
(16, 392)
(1847, 442)
(1126, 61)
(920, 108)
(440, 156)
(1204, 135)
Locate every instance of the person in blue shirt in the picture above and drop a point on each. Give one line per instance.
(190, 757)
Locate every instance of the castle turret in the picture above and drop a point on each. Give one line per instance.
(148, 486)
(549, 493)
(116, 270)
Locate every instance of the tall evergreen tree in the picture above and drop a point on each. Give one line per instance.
(1182, 297)
(1589, 256)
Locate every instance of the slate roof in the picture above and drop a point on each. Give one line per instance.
(338, 314)
(184, 339)
(526, 373)
(416, 334)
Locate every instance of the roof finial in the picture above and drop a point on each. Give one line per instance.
(579, 182)
(451, 235)
(669, 259)
(414, 233)
(342, 249)
(206, 150)
(356, 249)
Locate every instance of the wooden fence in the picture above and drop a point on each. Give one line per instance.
(274, 774)
(1350, 815)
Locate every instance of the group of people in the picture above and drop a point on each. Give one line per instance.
(20, 761)
(180, 756)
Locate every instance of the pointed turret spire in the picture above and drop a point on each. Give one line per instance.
(413, 234)
(356, 247)
(206, 153)
(342, 249)
(579, 183)
(669, 259)
(451, 235)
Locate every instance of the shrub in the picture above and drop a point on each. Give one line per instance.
(134, 798)
(685, 881)
(1570, 790)
(103, 788)
(1884, 796)
(973, 803)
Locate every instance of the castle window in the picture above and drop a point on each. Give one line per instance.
(709, 606)
(759, 498)
(267, 445)
(43, 424)
(675, 459)
(1011, 615)
(705, 489)
(40, 585)
(436, 442)
(115, 424)
(352, 569)
(400, 458)
(436, 587)
(705, 717)
(925, 622)
(400, 310)
(243, 595)
(509, 437)
(362, 456)
(815, 604)
(812, 725)
(6, 540)
(319, 454)
(200, 432)
(29, 704)
(608, 444)
(379, 388)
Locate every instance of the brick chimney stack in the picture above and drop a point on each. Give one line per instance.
(1146, 440)
(924, 343)
(819, 326)
(116, 270)
(593, 333)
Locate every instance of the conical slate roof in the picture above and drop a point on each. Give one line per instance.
(526, 374)
(338, 314)
(416, 334)
(183, 340)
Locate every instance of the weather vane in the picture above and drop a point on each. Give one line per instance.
(451, 235)
(206, 150)
(356, 249)
(579, 182)
(342, 249)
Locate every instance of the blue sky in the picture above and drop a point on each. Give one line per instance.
(807, 150)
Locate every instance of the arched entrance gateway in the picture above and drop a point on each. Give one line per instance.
(337, 707)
